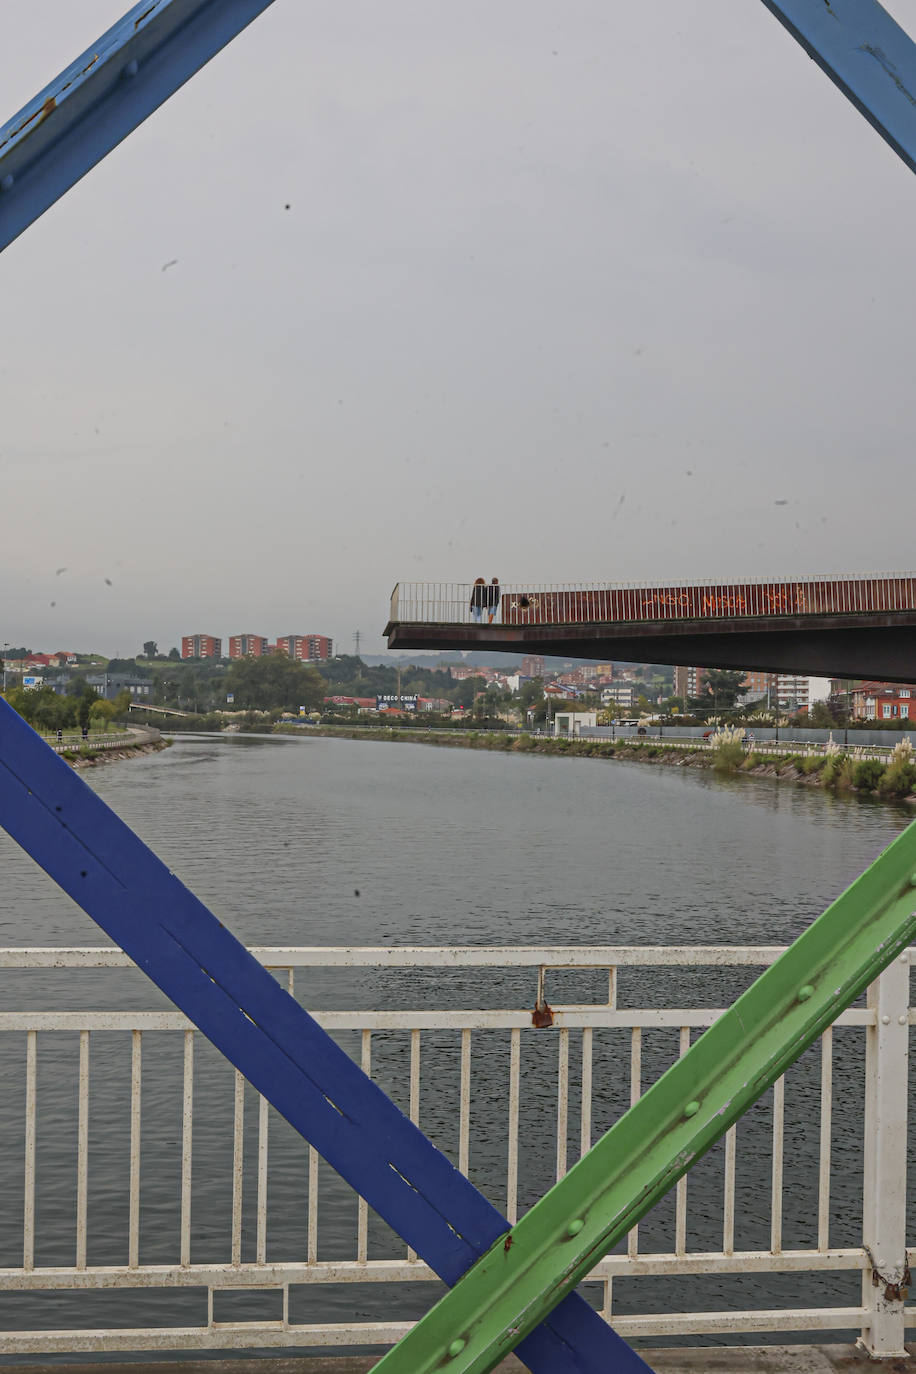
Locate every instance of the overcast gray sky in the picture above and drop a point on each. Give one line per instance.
(541, 259)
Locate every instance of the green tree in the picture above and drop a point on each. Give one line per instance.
(43, 708)
(467, 690)
(84, 704)
(723, 686)
(121, 705)
(101, 712)
(174, 655)
(821, 716)
(275, 682)
(150, 648)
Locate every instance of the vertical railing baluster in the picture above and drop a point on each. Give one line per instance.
(362, 1211)
(414, 1104)
(585, 1113)
(133, 1228)
(82, 1161)
(562, 1100)
(823, 1183)
(464, 1105)
(728, 1207)
(515, 1044)
(263, 1129)
(31, 1110)
(680, 1242)
(779, 1099)
(635, 1094)
(187, 1128)
(238, 1163)
(312, 1250)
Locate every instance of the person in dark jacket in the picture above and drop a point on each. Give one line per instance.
(480, 593)
(492, 599)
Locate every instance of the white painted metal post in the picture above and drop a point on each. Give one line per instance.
(884, 1199)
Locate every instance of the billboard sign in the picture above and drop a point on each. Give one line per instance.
(390, 701)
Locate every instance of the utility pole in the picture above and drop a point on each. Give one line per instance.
(356, 639)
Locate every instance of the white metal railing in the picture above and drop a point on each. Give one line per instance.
(135, 1158)
(552, 603)
(72, 741)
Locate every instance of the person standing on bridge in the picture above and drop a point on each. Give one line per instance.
(480, 594)
(492, 599)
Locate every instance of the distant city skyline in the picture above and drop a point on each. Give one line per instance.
(545, 292)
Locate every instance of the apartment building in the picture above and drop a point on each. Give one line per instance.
(688, 681)
(201, 646)
(306, 648)
(883, 701)
(248, 646)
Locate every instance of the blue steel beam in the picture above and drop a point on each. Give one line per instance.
(868, 55)
(281, 1050)
(102, 97)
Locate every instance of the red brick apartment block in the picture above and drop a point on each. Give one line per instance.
(307, 648)
(201, 646)
(247, 646)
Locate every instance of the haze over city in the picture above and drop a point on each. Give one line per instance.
(549, 292)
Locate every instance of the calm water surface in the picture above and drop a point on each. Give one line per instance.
(324, 842)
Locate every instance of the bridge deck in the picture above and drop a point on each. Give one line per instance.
(837, 627)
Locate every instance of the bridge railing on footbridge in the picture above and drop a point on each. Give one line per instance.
(553, 603)
(152, 1201)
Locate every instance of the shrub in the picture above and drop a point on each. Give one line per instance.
(727, 749)
(867, 774)
(900, 774)
(837, 770)
(812, 764)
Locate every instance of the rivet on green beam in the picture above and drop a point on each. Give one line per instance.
(555, 1245)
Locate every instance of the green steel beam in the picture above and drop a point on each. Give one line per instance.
(536, 1263)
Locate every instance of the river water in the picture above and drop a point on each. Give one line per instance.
(311, 841)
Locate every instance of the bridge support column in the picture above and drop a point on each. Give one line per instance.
(885, 1282)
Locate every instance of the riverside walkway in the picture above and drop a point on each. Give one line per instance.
(847, 626)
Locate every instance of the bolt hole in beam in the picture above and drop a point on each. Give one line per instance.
(270, 1038)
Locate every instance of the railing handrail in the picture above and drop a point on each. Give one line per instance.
(554, 603)
(651, 584)
(428, 956)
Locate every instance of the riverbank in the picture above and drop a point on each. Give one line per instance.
(91, 758)
(833, 769)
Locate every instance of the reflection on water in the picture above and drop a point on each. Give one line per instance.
(314, 842)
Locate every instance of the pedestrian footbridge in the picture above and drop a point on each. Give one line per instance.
(842, 626)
